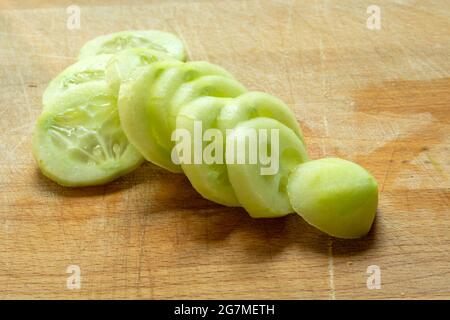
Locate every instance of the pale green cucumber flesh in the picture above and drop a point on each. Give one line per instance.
(258, 104)
(210, 85)
(209, 179)
(336, 196)
(144, 105)
(126, 63)
(78, 141)
(151, 39)
(142, 125)
(91, 69)
(264, 196)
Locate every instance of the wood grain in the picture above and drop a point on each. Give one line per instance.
(377, 97)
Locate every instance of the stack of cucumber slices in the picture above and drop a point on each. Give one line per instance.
(129, 92)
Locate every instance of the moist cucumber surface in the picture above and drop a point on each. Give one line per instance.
(145, 106)
(91, 69)
(264, 196)
(209, 178)
(210, 85)
(151, 39)
(334, 195)
(257, 104)
(124, 64)
(140, 119)
(78, 140)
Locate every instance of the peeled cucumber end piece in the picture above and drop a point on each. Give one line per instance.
(334, 195)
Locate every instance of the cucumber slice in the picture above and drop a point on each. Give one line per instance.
(136, 109)
(210, 180)
(78, 141)
(336, 196)
(258, 104)
(264, 196)
(124, 64)
(91, 69)
(214, 86)
(151, 39)
(144, 106)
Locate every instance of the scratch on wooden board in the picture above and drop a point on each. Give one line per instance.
(22, 82)
(331, 271)
(5, 109)
(323, 144)
(179, 32)
(18, 128)
(322, 67)
(16, 15)
(388, 170)
(325, 125)
(290, 10)
(411, 236)
(32, 35)
(436, 166)
(52, 56)
(11, 152)
(141, 253)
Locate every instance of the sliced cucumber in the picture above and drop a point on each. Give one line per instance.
(137, 105)
(124, 64)
(151, 39)
(78, 141)
(213, 86)
(336, 196)
(83, 72)
(209, 179)
(264, 196)
(144, 106)
(258, 104)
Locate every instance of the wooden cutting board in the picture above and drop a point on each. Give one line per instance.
(380, 98)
